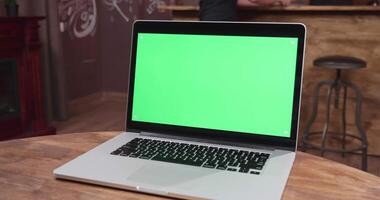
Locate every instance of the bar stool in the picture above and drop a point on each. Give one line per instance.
(335, 86)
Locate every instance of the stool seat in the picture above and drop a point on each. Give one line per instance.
(339, 62)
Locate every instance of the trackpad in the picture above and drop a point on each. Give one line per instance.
(164, 176)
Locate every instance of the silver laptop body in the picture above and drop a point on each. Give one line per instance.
(194, 87)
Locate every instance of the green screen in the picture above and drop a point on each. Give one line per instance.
(232, 83)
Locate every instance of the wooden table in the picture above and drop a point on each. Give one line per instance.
(26, 172)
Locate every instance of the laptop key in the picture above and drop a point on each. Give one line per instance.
(234, 164)
(221, 167)
(194, 163)
(132, 155)
(117, 152)
(146, 156)
(124, 153)
(254, 172)
(178, 161)
(208, 166)
(244, 170)
(264, 155)
(258, 167)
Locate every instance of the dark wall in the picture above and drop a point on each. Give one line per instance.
(78, 22)
(115, 39)
(96, 52)
(115, 44)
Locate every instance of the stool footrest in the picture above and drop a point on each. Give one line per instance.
(308, 144)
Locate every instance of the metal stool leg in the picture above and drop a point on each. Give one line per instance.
(344, 118)
(362, 133)
(364, 159)
(337, 88)
(326, 126)
(314, 112)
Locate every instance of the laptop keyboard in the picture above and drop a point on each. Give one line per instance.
(195, 155)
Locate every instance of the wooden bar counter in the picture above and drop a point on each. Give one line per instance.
(331, 30)
(26, 172)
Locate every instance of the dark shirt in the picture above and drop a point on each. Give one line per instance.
(217, 10)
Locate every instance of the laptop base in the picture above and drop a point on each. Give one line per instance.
(98, 166)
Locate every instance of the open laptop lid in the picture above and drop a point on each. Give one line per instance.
(235, 82)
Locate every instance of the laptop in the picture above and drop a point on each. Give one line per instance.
(213, 112)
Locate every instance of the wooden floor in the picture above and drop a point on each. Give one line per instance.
(106, 112)
(97, 112)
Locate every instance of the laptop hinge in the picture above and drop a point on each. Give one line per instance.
(184, 138)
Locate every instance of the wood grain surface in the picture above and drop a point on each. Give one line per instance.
(26, 172)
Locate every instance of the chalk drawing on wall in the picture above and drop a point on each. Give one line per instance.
(123, 8)
(127, 8)
(77, 17)
(153, 5)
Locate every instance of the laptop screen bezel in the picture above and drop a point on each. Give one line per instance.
(220, 28)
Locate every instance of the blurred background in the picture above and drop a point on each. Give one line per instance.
(83, 61)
